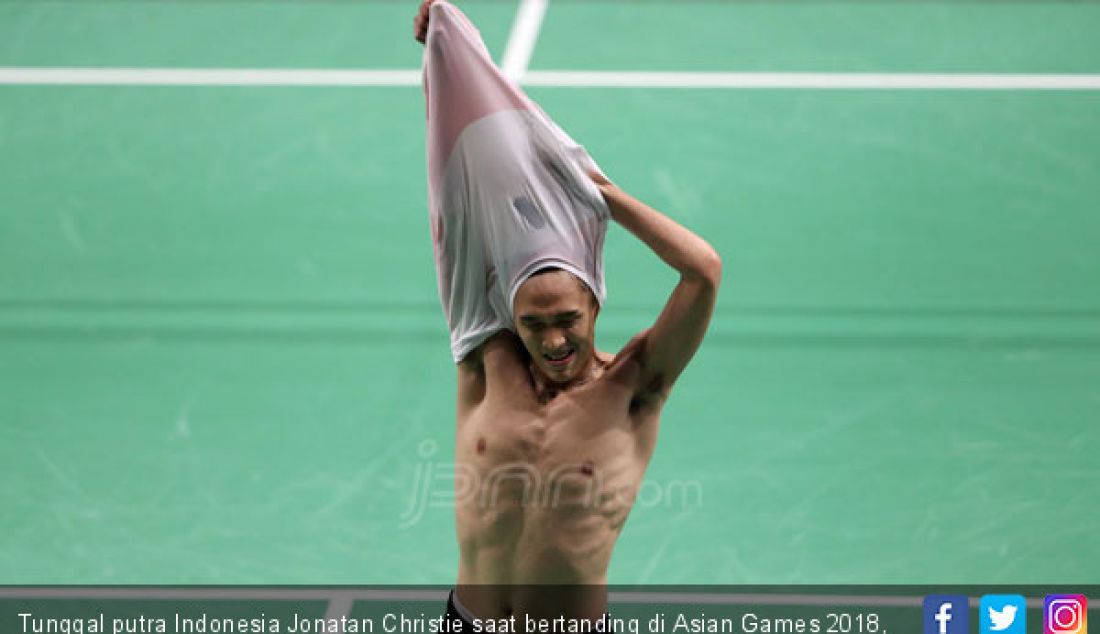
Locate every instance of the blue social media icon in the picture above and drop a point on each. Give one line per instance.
(1002, 614)
(946, 614)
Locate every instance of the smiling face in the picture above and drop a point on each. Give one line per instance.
(555, 317)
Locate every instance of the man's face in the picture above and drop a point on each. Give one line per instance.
(556, 320)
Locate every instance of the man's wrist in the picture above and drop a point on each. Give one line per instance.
(616, 199)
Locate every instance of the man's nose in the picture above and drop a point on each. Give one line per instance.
(554, 339)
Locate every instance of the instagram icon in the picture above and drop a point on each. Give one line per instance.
(1065, 614)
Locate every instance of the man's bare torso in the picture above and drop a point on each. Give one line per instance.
(544, 485)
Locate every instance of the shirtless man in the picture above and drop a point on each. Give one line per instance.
(554, 435)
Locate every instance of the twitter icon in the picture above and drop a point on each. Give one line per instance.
(1002, 614)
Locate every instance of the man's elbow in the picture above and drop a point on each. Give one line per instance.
(710, 267)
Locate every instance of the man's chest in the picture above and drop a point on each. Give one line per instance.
(584, 435)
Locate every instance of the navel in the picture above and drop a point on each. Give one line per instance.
(481, 445)
(588, 468)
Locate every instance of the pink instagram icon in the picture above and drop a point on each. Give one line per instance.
(1065, 614)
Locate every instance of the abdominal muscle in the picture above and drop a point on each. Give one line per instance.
(542, 493)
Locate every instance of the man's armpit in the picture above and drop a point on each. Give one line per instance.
(471, 380)
(650, 384)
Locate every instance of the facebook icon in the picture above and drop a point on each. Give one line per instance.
(946, 614)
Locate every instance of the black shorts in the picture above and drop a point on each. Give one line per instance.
(468, 627)
(453, 615)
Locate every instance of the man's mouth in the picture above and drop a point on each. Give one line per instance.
(560, 359)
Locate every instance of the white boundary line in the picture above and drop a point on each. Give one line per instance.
(208, 77)
(521, 42)
(592, 79)
(884, 81)
(341, 600)
(340, 606)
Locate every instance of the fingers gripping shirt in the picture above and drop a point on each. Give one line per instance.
(508, 192)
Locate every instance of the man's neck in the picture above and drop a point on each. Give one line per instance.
(546, 390)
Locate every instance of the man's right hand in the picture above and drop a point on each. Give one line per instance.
(420, 22)
(602, 182)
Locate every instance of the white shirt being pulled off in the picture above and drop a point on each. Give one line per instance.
(508, 192)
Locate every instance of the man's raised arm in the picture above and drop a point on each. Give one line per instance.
(675, 336)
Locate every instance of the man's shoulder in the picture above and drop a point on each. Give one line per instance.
(632, 350)
(628, 366)
(628, 359)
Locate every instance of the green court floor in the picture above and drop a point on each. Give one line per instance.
(222, 358)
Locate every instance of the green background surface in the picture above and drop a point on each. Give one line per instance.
(222, 358)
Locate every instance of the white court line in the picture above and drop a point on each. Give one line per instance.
(521, 42)
(817, 81)
(208, 77)
(342, 599)
(340, 606)
(593, 79)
